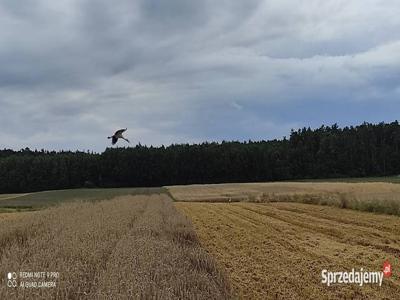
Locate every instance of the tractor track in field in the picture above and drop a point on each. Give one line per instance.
(12, 196)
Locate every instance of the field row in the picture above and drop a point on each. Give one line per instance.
(39, 200)
(129, 247)
(377, 197)
(278, 250)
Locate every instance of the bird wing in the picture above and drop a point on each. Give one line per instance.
(114, 140)
(118, 132)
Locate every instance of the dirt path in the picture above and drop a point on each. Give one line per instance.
(11, 196)
(278, 250)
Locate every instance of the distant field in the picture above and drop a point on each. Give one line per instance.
(278, 250)
(10, 196)
(389, 179)
(378, 197)
(130, 247)
(44, 199)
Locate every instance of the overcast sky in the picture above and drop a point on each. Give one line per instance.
(72, 72)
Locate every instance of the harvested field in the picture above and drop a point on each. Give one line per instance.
(278, 250)
(378, 197)
(136, 247)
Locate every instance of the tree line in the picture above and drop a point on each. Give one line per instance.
(325, 152)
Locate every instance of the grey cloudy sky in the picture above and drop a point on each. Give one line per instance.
(189, 71)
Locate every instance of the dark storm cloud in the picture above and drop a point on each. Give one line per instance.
(187, 71)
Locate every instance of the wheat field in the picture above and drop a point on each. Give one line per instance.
(380, 197)
(278, 250)
(136, 247)
(228, 241)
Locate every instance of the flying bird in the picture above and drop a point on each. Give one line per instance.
(118, 135)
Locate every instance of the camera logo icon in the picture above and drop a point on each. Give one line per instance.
(12, 279)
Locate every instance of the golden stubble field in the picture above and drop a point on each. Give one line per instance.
(131, 247)
(379, 197)
(278, 250)
(255, 191)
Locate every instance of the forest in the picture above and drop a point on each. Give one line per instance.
(325, 152)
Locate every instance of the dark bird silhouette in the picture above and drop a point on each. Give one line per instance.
(118, 135)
